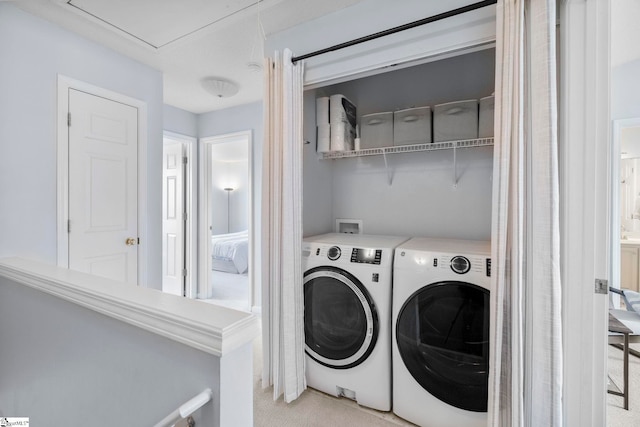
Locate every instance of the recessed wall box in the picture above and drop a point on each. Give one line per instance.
(349, 226)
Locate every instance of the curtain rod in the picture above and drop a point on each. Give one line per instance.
(394, 30)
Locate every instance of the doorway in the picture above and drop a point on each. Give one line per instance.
(226, 214)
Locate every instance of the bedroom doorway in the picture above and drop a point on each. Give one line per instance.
(226, 212)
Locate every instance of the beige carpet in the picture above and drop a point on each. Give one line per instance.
(617, 416)
(314, 408)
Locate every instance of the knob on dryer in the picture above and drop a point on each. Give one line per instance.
(334, 253)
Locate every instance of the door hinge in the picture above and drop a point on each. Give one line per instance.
(184, 216)
(184, 272)
(602, 286)
(185, 160)
(68, 226)
(68, 119)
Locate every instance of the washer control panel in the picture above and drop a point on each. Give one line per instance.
(350, 254)
(460, 264)
(334, 253)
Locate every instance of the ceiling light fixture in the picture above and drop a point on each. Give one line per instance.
(221, 88)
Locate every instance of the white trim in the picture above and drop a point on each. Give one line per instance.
(204, 211)
(64, 85)
(585, 202)
(436, 40)
(191, 152)
(209, 328)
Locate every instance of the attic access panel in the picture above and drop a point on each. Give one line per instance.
(158, 23)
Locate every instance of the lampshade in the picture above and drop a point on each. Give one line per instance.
(221, 88)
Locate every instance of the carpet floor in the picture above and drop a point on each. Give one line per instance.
(617, 416)
(316, 409)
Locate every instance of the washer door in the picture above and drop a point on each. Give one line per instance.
(340, 318)
(442, 332)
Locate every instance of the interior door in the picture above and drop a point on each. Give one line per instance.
(103, 187)
(173, 233)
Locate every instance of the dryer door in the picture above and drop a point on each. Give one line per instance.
(442, 333)
(340, 318)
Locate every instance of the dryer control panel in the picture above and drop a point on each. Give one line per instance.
(349, 254)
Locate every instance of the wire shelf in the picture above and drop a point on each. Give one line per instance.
(448, 145)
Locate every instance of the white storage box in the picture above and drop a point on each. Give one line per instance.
(412, 126)
(376, 130)
(485, 122)
(455, 121)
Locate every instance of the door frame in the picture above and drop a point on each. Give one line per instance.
(585, 205)
(617, 127)
(65, 84)
(204, 210)
(190, 145)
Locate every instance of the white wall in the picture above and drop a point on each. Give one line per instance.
(625, 91)
(235, 175)
(180, 121)
(421, 201)
(33, 53)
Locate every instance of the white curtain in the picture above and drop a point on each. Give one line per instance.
(525, 374)
(282, 299)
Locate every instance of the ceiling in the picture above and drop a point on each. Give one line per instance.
(188, 40)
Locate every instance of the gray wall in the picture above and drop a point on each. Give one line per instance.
(421, 201)
(33, 53)
(625, 91)
(180, 121)
(62, 364)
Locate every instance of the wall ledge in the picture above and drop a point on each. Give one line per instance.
(213, 329)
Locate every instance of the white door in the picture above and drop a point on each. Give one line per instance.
(173, 248)
(103, 187)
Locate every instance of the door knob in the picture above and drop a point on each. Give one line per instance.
(130, 241)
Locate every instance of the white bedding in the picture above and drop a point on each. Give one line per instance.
(230, 252)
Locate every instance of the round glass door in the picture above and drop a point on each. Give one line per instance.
(340, 318)
(442, 334)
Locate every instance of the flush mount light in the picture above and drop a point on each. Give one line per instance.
(221, 88)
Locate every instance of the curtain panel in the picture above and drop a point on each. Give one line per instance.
(282, 298)
(525, 374)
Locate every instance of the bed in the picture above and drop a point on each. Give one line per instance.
(230, 252)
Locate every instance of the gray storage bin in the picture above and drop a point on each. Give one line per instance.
(485, 122)
(376, 130)
(412, 126)
(455, 121)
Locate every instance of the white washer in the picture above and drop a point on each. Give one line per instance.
(347, 318)
(441, 332)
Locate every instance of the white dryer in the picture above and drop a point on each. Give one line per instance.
(441, 332)
(347, 315)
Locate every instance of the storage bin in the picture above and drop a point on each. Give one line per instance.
(455, 121)
(412, 126)
(376, 130)
(485, 121)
